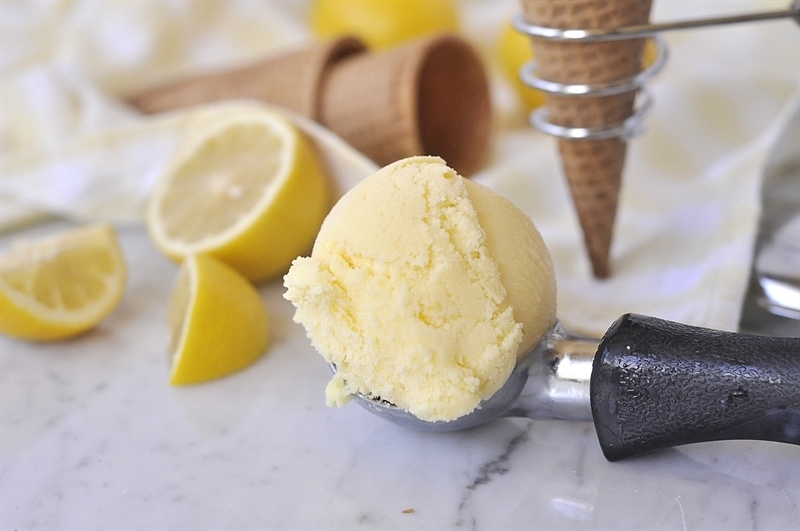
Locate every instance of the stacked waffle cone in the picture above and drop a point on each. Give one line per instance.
(593, 168)
(291, 80)
(427, 97)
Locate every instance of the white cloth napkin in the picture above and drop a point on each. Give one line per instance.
(690, 202)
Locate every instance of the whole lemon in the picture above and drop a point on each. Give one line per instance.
(383, 23)
(514, 50)
(650, 53)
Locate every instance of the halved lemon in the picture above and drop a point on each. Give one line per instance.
(61, 285)
(246, 187)
(218, 322)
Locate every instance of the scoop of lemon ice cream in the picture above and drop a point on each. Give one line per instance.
(423, 289)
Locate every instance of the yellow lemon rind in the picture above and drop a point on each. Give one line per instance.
(383, 25)
(222, 323)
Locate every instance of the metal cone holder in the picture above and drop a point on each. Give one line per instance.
(633, 126)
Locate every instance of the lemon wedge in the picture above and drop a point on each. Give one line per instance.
(245, 187)
(61, 285)
(218, 322)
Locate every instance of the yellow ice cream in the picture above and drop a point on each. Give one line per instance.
(423, 288)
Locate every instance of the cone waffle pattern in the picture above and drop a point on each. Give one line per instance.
(291, 80)
(593, 168)
(428, 97)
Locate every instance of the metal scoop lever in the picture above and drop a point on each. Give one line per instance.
(648, 384)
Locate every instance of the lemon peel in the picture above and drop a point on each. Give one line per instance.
(383, 24)
(218, 321)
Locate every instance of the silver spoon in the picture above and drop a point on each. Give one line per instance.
(648, 384)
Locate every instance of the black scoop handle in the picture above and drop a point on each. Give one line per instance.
(657, 384)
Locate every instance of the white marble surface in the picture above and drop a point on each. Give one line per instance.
(93, 437)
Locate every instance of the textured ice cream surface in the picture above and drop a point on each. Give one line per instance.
(423, 289)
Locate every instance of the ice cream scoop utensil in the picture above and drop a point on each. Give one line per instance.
(648, 384)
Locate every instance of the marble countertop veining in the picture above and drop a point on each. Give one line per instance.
(93, 437)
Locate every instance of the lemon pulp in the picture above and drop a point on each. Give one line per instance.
(247, 188)
(62, 285)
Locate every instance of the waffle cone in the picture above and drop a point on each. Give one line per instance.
(593, 168)
(428, 97)
(291, 80)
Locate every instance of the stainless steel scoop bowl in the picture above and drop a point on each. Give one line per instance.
(648, 384)
(551, 381)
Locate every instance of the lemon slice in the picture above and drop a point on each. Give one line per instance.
(245, 187)
(61, 285)
(218, 321)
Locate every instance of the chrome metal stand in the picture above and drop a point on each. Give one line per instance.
(633, 126)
